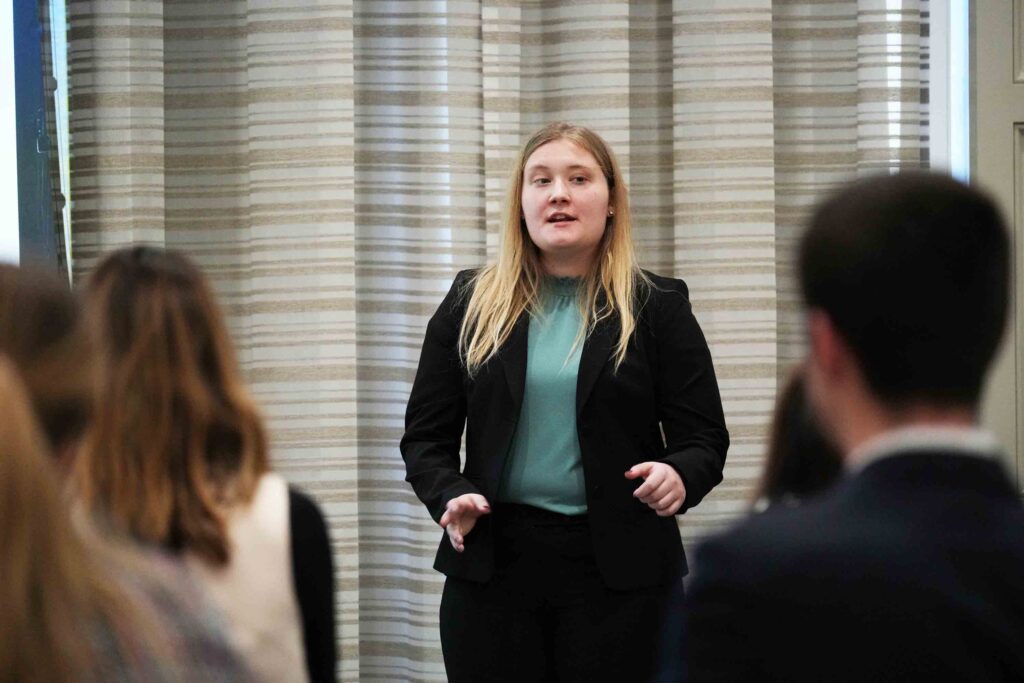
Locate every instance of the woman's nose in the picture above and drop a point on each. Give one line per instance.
(559, 190)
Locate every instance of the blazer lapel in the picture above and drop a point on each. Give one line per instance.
(596, 350)
(513, 359)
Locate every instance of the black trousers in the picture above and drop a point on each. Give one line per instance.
(547, 615)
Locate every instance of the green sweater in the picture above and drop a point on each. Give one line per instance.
(544, 466)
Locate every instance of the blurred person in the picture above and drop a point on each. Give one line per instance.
(177, 457)
(42, 333)
(910, 568)
(592, 417)
(75, 609)
(801, 461)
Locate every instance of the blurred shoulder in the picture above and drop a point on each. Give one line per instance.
(776, 543)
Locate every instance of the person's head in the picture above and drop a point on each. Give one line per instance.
(906, 283)
(41, 332)
(566, 214)
(801, 459)
(177, 438)
(567, 172)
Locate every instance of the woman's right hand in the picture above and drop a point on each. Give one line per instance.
(460, 517)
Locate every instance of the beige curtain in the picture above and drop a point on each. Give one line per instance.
(333, 164)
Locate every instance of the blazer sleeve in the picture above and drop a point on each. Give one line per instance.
(689, 403)
(436, 414)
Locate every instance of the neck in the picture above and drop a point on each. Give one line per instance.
(567, 265)
(870, 422)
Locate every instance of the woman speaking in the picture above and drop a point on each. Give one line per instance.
(592, 416)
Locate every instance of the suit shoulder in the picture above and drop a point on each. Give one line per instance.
(460, 291)
(466, 275)
(668, 289)
(777, 541)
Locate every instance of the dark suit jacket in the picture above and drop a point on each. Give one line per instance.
(911, 569)
(666, 381)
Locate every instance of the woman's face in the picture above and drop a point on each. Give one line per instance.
(565, 205)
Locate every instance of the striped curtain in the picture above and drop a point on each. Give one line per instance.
(332, 164)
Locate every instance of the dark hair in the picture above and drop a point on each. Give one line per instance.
(177, 439)
(41, 331)
(801, 459)
(913, 271)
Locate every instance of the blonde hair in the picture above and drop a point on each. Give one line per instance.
(503, 291)
(177, 439)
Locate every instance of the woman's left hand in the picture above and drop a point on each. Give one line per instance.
(663, 490)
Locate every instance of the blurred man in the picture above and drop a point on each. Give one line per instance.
(912, 567)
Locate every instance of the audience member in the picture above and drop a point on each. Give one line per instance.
(77, 610)
(910, 568)
(41, 331)
(801, 461)
(177, 457)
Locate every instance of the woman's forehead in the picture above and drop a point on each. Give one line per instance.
(561, 154)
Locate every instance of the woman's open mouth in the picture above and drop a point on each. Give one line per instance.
(561, 218)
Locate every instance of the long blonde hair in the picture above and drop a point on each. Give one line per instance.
(177, 439)
(503, 291)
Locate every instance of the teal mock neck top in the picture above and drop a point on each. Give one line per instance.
(544, 467)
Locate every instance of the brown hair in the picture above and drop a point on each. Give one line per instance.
(54, 595)
(177, 439)
(41, 331)
(802, 460)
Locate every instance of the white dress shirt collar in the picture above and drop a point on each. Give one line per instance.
(970, 441)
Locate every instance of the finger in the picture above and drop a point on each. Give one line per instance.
(662, 490)
(445, 520)
(665, 501)
(640, 470)
(670, 508)
(474, 511)
(455, 537)
(479, 503)
(654, 480)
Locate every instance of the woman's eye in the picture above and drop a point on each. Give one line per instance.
(580, 179)
(540, 181)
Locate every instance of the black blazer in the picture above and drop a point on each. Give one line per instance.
(666, 382)
(910, 570)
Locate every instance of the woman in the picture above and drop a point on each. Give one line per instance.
(145, 619)
(592, 417)
(801, 460)
(177, 456)
(75, 609)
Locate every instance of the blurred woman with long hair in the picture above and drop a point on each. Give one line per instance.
(802, 460)
(74, 608)
(107, 609)
(177, 456)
